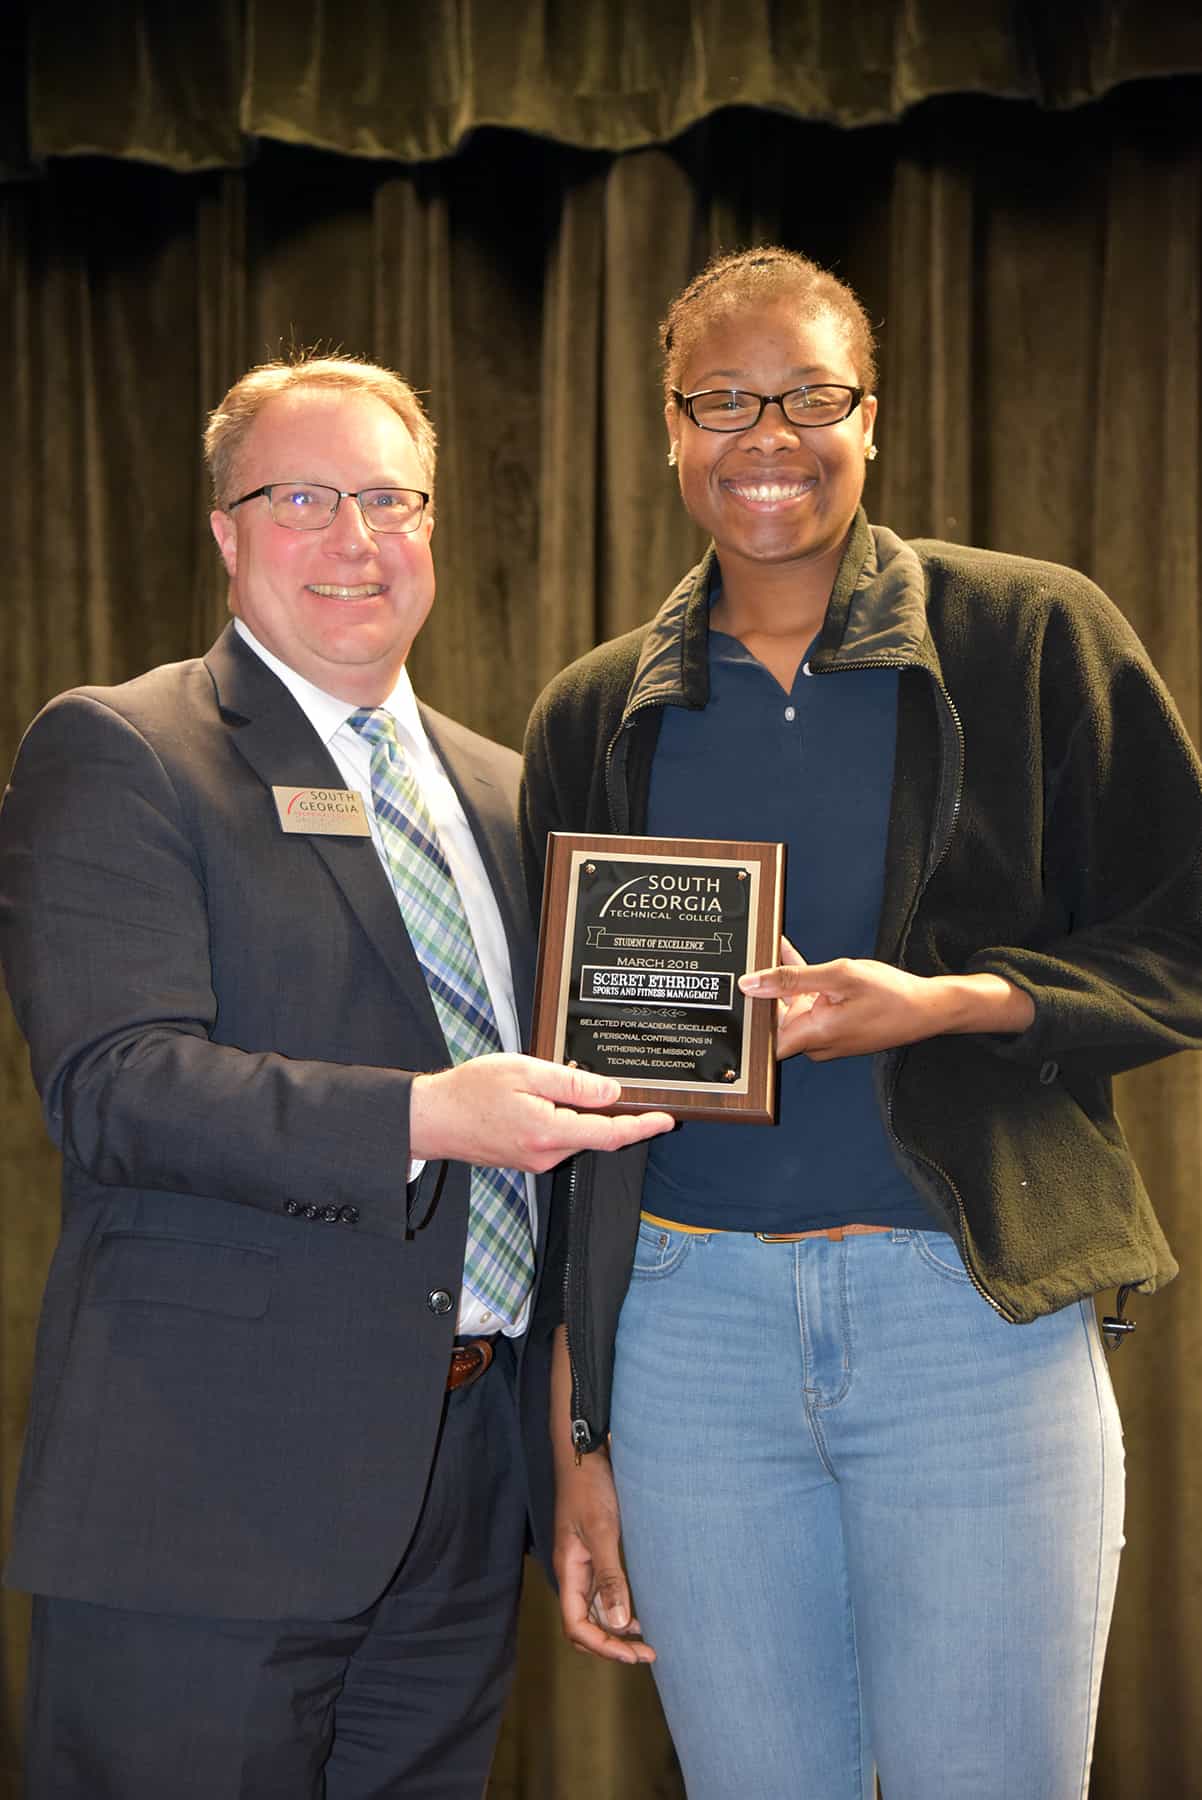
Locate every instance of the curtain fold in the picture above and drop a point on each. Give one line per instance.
(1036, 277)
(194, 89)
(155, 84)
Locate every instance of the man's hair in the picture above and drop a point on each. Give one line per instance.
(748, 278)
(232, 418)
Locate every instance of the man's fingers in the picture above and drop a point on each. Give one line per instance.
(568, 1087)
(518, 1112)
(585, 1131)
(632, 1128)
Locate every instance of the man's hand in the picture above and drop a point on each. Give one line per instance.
(854, 1006)
(517, 1112)
(594, 1596)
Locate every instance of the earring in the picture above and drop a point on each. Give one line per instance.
(870, 454)
(672, 457)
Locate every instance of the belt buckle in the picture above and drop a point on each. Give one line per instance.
(468, 1362)
(833, 1232)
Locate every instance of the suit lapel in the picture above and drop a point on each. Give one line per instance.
(274, 737)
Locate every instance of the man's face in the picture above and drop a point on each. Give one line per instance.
(341, 605)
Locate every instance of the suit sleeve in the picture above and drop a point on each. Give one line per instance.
(104, 935)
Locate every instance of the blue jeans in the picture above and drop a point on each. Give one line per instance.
(867, 1522)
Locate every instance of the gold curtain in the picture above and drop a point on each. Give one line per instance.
(193, 88)
(1037, 279)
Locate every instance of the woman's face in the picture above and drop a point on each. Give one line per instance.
(777, 492)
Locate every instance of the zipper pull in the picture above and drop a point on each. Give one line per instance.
(1114, 1327)
(582, 1437)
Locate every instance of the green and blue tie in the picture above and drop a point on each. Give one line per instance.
(499, 1264)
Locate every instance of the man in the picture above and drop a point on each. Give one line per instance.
(261, 922)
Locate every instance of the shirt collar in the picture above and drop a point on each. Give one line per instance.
(325, 712)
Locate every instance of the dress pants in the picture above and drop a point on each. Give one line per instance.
(404, 1700)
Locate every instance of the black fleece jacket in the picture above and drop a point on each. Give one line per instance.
(1046, 825)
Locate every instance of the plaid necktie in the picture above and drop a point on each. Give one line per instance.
(499, 1263)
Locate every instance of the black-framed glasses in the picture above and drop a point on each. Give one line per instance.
(311, 506)
(738, 409)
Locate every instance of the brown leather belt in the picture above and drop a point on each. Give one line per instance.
(836, 1233)
(468, 1362)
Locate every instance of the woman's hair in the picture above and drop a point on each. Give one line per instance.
(231, 420)
(749, 277)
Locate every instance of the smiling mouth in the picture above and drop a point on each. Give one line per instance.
(329, 591)
(770, 493)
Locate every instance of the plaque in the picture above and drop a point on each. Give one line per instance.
(641, 947)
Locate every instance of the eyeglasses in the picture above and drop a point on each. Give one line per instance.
(310, 506)
(737, 409)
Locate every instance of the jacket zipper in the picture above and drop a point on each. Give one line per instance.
(915, 1155)
(631, 713)
(961, 1219)
(582, 1431)
(582, 1435)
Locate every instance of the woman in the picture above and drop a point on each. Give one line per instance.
(864, 1443)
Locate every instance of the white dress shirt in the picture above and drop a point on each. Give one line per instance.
(352, 753)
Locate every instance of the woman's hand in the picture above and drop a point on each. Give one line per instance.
(594, 1596)
(854, 1006)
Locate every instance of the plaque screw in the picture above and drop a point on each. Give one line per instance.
(590, 868)
(728, 1074)
(573, 1064)
(742, 874)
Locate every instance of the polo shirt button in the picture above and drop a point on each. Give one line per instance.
(312, 1212)
(348, 1215)
(790, 714)
(330, 1214)
(292, 1208)
(439, 1301)
(1049, 1072)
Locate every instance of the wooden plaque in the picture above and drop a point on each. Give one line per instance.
(641, 947)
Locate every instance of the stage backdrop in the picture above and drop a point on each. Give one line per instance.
(500, 200)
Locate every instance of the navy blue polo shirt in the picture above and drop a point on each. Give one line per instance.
(812, 768)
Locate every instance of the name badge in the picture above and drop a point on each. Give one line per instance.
(325, 812)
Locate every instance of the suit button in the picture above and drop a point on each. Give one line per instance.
(292, 1207)
(330, 1214)
(439, 1301)
(312, 1212)
(348, 1215)
(1049, 1072)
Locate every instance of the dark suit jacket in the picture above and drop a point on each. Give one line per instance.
(241, 1360)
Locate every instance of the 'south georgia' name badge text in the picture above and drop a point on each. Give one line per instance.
(329, 812)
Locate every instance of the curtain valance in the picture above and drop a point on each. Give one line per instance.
(193, 88)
